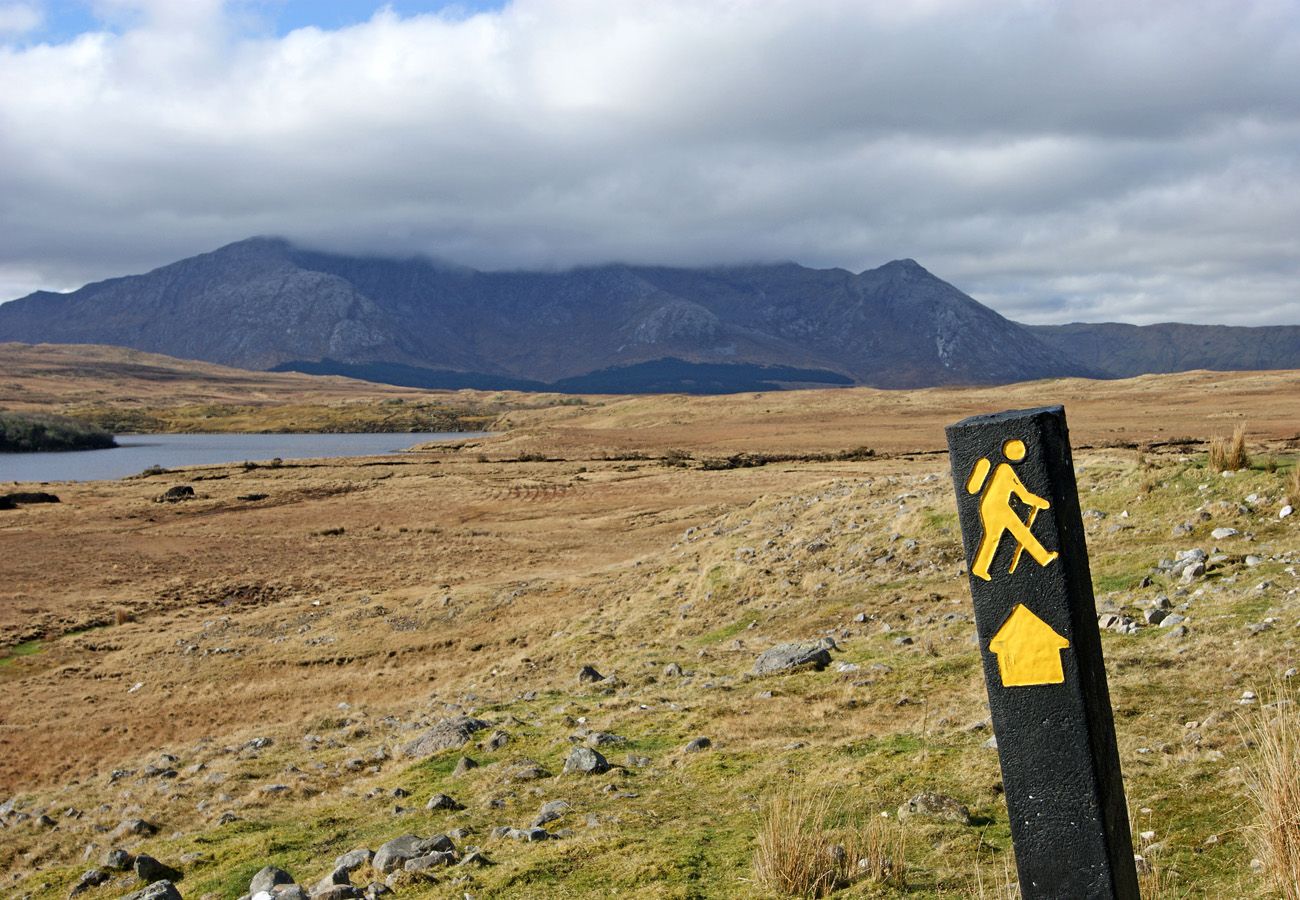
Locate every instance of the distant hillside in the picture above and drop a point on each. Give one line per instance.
(265, 304)
(262, 303)
(1125, 350)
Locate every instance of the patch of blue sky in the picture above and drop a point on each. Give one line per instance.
(63, 20)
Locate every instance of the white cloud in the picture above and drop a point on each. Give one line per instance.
(20, 18)
(1058, 160)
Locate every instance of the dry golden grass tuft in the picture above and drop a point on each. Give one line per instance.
(1228, 454)
(1273, 784)
(1293, 485)
(801, 853)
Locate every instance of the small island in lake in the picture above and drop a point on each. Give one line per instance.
(37, 432)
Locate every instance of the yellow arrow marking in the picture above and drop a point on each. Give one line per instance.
(1028, 650)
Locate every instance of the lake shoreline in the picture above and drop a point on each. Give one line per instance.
(140, 453)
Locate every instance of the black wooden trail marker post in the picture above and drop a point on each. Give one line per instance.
(1037, 625)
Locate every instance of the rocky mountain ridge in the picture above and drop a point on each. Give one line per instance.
(265, 303)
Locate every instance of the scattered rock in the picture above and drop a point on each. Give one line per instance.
(150, 870)
(332, 892)
(442, 801)
(695, 746)
(463, 765)
(176, 494)
(1220, 533)
(354, 859)
(526, 770)
(137, 827)
(589, 675)
(930, 805)
(585, 761)
(1285, 511)
(673, 670)
(792, 657)
(551, 811)
(159, 890)
(89, 879)
(436, 860)
(118, 860)
(394, 854)
(268, 878)
(446, 735)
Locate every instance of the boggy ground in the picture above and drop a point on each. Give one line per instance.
(358, 602)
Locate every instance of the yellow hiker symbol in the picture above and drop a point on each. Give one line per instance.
(997, 516)
(1028, 650)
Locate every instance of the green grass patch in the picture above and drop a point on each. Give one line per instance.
(27, 648)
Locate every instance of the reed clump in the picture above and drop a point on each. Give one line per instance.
(1228, 454)
(1273, 785)
(802, 852)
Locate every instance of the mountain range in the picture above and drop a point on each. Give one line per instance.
(265, 303)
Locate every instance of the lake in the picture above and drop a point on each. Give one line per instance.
(137, 452)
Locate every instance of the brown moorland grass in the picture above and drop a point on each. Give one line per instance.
(360, 601)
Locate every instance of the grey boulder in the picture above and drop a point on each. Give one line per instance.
(792, 657)
(446, 735)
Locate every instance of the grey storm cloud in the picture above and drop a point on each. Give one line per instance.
(1060, 161)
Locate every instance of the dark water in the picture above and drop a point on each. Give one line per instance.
(138, 452)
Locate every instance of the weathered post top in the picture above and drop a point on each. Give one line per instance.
(1037, 626)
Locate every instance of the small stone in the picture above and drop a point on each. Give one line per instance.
(267, 878)
(118, 860)
(475, 858)
(695, 746)
(1220, 533)
(436, 860)
(1155, 616)
(353, 859)
(392, 855)
(551, 811)
(138, 827)
(442, 801)
(672, 670)
(585, 761)
(1172, 619)
(329, 892)
(589, 675)
(159, 890)
(929, 804)
(89, 879)
(1285, 511)
(150, 870)
(1140, 863)
(463, 765)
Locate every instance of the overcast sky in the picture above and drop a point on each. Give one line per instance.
(1070, 161)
